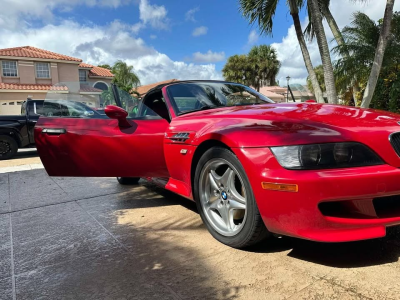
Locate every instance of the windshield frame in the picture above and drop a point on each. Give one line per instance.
(249, 89)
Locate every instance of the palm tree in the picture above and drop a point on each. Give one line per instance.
(379, 54)
(236, 69)
(327, 14)
(266, 65)
(124, 76)
(263, 12)
(105, 66)
(357, 51)
(361, 39)
(316, 19)
(319, 71)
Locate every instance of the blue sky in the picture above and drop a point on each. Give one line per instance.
(161, 39)
(227, 30)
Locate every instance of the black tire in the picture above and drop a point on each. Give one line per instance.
(8, 147)
(254, 230)
(128, 180)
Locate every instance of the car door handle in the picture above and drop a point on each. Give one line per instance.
(54, 131)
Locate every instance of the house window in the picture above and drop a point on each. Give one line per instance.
(101, 86)
(9, 68)
(42, 70)
(82, 75)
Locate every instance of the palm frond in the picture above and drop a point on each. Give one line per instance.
(261, 12)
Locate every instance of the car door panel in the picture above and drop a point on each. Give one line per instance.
(98, 147)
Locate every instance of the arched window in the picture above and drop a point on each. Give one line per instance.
(101, 86)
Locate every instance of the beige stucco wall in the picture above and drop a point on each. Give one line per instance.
(59, 72)
(68, 72)
(26, 72)
(10, 80)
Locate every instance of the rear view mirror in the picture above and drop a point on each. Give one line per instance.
(115, 112)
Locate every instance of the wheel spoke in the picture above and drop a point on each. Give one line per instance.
(233, 204)
(227, 177)
(214, 203)
(213, 177)
(234, 194)
(224, 212)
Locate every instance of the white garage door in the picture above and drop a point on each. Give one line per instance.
(10, 107)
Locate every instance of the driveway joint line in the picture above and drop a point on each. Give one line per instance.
(14, 293)
(101, 225)
(306, 287)
(347, 289)
(53, 204)
(172, 292)
(58, 185)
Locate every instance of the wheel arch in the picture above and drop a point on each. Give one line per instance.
(200, 150)
(12, 134)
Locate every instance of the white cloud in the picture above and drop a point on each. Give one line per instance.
(253, 37)
(202, 30)
(189, 16)
(153, 36)
(291, 58)
(135, 28)
(288, 49)
(155, 15)
(208, 57)
(13, 10)
(106, 44)
(158, 67)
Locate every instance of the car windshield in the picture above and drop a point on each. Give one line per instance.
(189, 97)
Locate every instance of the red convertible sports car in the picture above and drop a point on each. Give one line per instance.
(315, 171)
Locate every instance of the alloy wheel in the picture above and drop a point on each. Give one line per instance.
(223, 197)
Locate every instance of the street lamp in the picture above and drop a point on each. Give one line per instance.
(287, 95)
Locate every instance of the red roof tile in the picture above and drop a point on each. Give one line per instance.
(31, 87)
(85, 65)
(96, 71)
(102, 72)
(89, 89)
(32, 52)
(142, 90)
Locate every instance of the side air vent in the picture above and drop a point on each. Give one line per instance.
(180, 137)
(395, 141)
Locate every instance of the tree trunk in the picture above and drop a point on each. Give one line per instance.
(329, 77)
(307, 59)
(379, 53)
(340, 41)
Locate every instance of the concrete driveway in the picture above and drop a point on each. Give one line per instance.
(88, 238)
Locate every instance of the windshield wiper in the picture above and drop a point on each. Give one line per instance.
(197, 109)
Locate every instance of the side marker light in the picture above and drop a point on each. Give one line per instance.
(280, 187)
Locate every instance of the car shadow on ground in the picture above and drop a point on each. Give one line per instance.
(133, 255)
(340, 255)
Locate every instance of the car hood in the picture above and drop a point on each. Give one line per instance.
(294, 124)
(334, 115)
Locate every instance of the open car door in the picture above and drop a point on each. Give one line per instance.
(79, 135)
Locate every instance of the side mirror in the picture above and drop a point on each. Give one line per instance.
(115, 112)
(311, 101)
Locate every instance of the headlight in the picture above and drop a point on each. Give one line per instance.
(325, 156)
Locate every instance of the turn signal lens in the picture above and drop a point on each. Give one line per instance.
(280, 187)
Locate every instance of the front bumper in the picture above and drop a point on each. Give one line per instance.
(298, 213)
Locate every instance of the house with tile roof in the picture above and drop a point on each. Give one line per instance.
(143, 89)
(29, 72)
